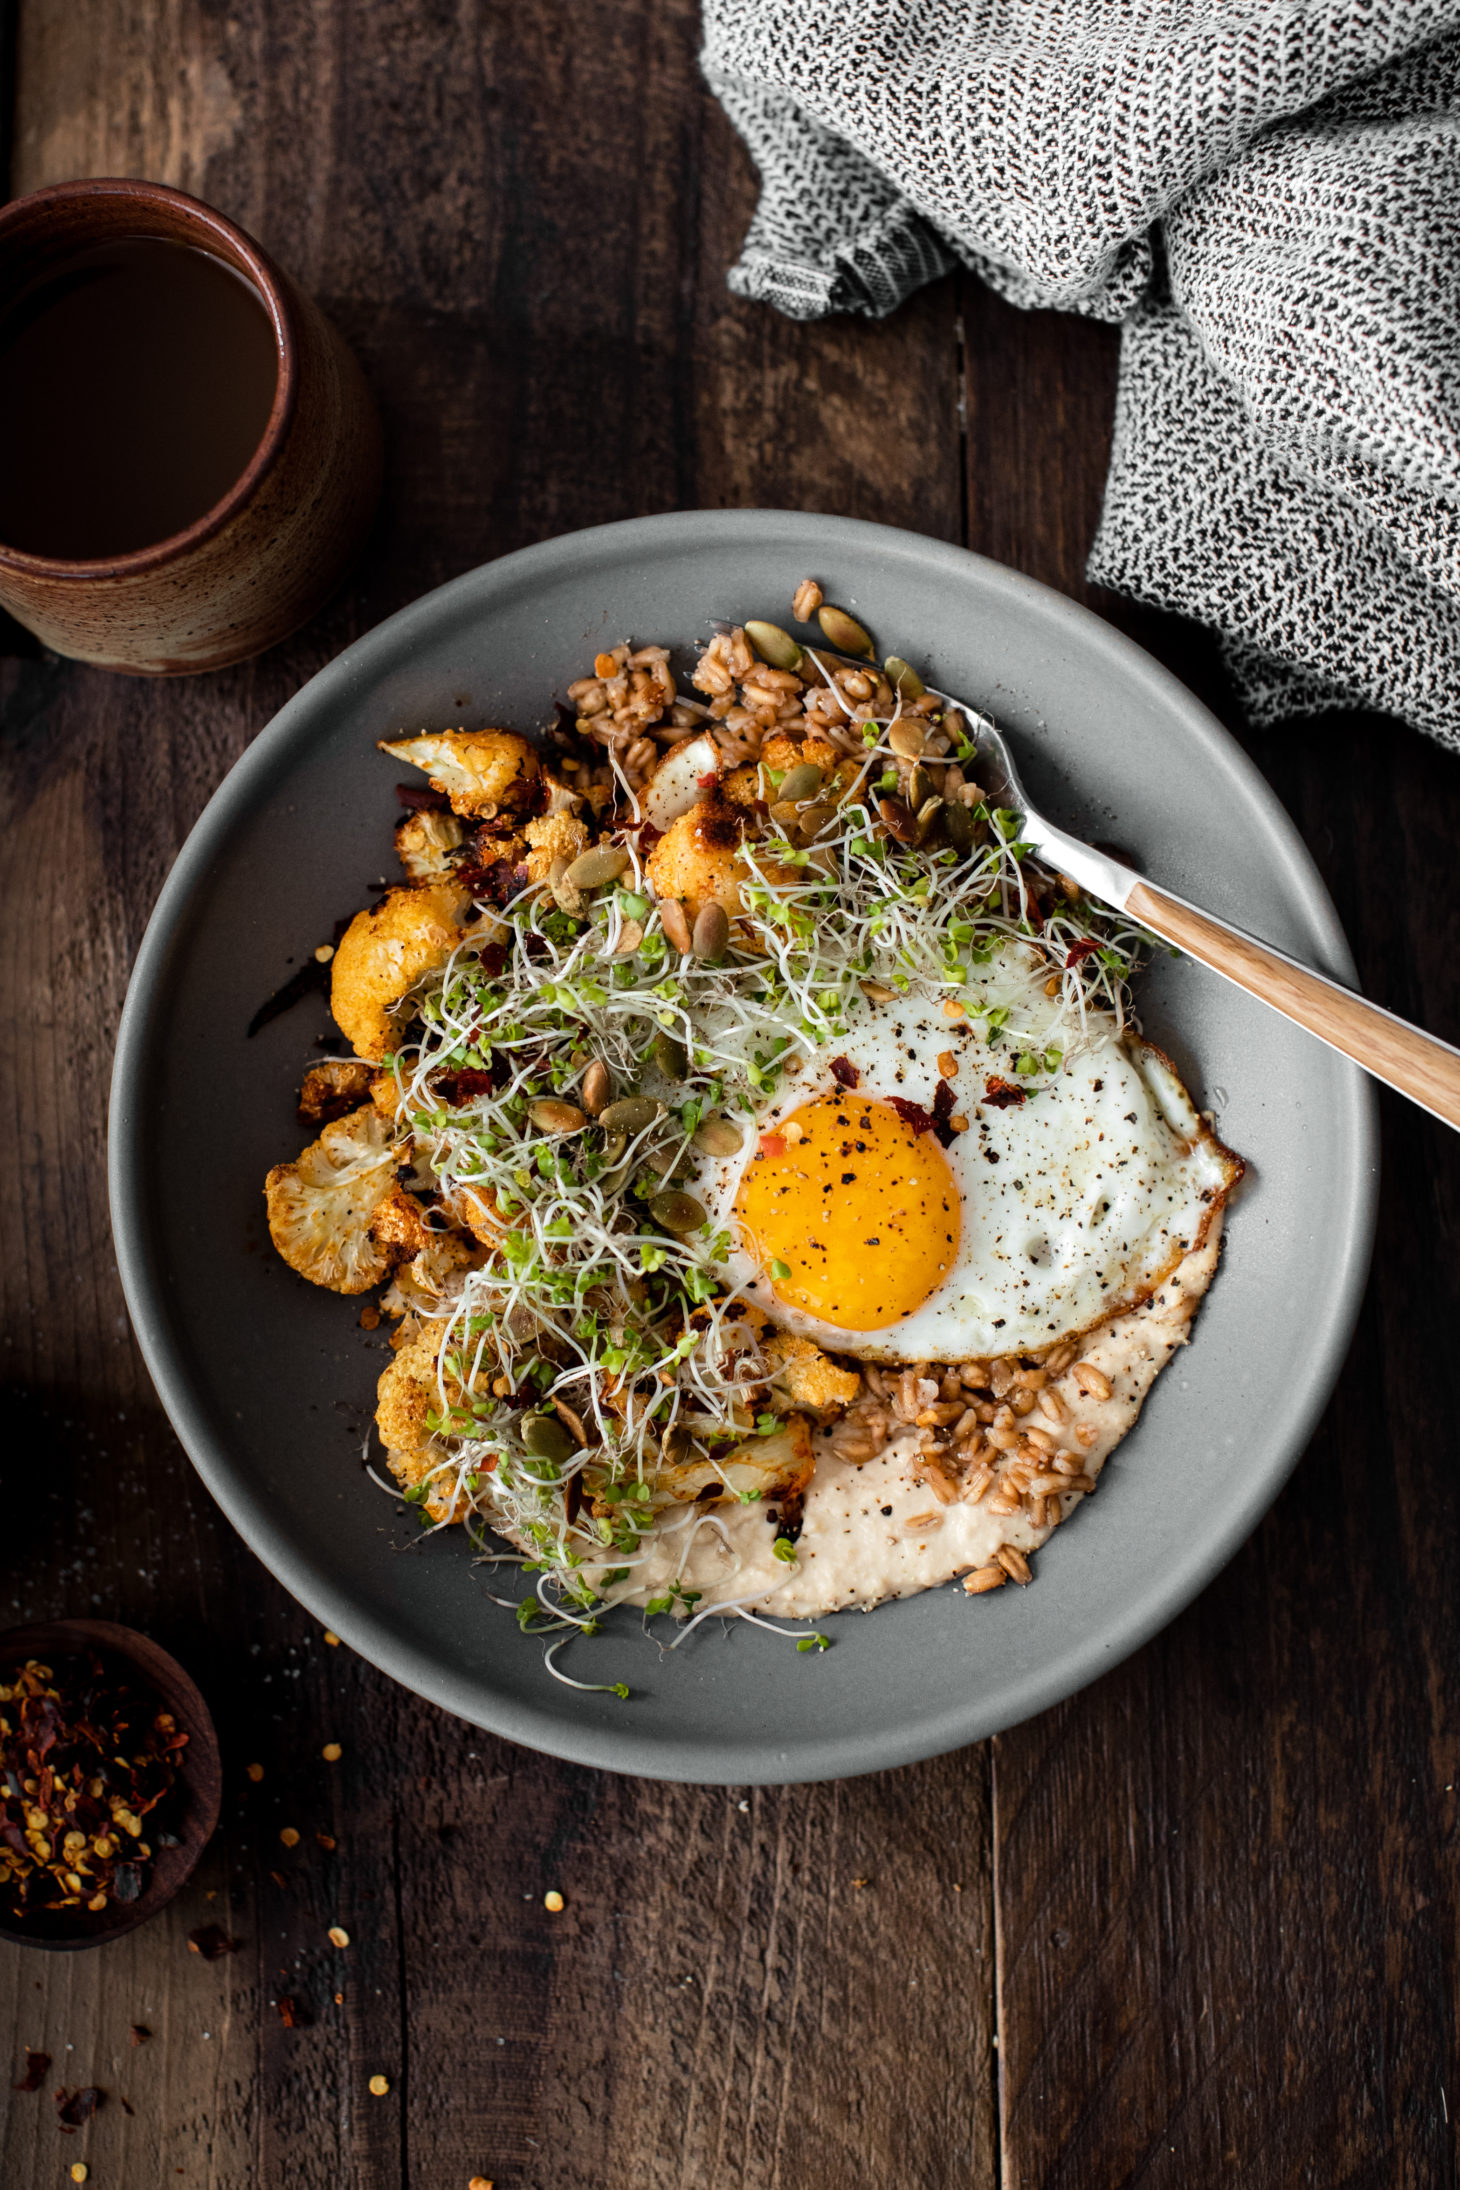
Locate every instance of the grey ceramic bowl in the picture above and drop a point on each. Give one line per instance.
(269, 1382)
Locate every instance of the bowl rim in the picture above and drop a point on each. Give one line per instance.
(696, 1760)
(203, 1785)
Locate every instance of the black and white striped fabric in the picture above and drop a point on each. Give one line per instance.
(1266, 193)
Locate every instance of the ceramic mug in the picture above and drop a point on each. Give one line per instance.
(265, 556)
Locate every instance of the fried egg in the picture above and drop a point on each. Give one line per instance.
(1031, 1216)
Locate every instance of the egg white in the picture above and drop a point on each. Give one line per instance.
(1076, 1203)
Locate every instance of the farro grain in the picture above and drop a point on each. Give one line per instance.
(1093, 1382)
(1013, 1562)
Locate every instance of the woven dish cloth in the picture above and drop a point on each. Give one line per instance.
(1266, 194)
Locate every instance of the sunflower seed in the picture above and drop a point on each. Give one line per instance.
(712, 934)
(905, 677)
(677, 1213)
(670, 1054)
(718, 1136)
(802, 781)
(554, 1117)
(877, 992)
(907, 739)
(898, 819)
(674, 920)
(596, 1089)
(549, 1438)
(630, 1114)
(591, 869)
(774, 645)
(630, 936)
(843, 630)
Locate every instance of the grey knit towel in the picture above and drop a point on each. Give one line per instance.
(1265, 192)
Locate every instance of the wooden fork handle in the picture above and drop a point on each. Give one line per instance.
(1426, 1070)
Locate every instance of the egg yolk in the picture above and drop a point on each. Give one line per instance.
(862, 1211)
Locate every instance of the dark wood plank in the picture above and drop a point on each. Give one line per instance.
(521, 219)
(1227, 1899)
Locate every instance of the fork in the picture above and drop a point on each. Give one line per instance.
(1402, 1056)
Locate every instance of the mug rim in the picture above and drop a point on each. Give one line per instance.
(215, 229)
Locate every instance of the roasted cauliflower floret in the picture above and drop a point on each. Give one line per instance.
(427, 844)
(384, 953)
(480, 771)
(331, 1089)
(778, 1466)
(408, 1398)
(321, 1206)
(555, 836)
(420, 1286)
(698, 859)
(399, 1222)
(807, 1376)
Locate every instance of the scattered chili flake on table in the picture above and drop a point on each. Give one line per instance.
(140, 2034)
(37, 2066)
(86, 1754)
(75, 2108)
(211, 1941)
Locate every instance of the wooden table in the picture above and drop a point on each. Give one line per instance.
(1199, 1926)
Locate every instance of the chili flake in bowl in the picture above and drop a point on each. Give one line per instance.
(109, 1781)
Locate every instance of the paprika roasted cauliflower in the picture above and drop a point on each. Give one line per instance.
(383, 955)
(480, 771)
(428, 844)
(322, 1205)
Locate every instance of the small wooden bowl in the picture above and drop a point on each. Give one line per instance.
(199, 1786)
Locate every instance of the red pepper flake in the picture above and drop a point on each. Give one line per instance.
(462, 1086)
(37, 2068)
(293, 2013)
(707, 783)
(845, 1073)
(1080, 951)
(418, 800)
(75, 2108)
(1003, 1094)
(212, 1941)
(140, 2034)
(773, 1144)
(86, 1754)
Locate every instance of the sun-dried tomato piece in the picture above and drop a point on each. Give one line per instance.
(75, 2108)
(419, 800)
(1003, 1094)
(913, 1114)
(37, 2067)
(1085, 948)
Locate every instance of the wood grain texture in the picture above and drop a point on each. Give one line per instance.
(520, 219)
(1226, 1920)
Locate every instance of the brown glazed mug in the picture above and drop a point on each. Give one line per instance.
(268, 554)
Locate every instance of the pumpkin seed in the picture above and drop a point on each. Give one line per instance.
(802, 781)
(905, 677)
(591, 869)
(596, 1089)
(670, 1054)
(549, 1438)
(630, 1114)
(674, 920)
(960, 825)
(898, 819)
(919, 786)
(712, 934)
(718, 1136)
(907, 739)
(927, 817)
(774, 645)
(555, 1117)
(811, 820)
(614, 1145)
(678, 1213)
(843, 630)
